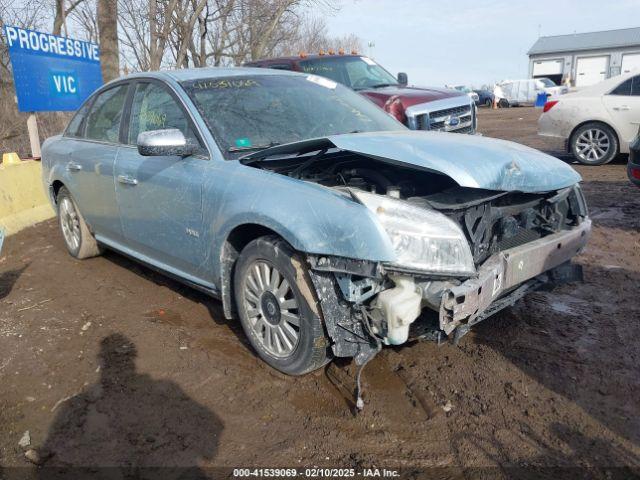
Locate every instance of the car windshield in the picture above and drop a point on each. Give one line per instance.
(253, 112)
(355, 72)
(462, 88)
(547, 82)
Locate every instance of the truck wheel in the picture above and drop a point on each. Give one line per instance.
(278, 307)
(594, 143)
(488, 103)
(75, 232)
(503, 103)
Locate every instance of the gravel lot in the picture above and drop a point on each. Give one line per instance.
(105, 362)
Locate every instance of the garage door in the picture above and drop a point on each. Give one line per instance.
(543, 68)
(591, 70)
(630, 61)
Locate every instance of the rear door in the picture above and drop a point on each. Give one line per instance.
(623, 104)
(91, 162)
(160, 197)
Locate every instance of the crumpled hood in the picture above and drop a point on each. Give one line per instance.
(470, 160)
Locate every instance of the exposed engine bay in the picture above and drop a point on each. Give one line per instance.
(492, 220)
(518, 242)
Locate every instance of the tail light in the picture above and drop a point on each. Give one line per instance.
(394, 107)
(635, 173)
(549, 105)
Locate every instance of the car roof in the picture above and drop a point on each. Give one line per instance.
(604, 86)
(186, 74)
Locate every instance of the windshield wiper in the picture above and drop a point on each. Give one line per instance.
(252, 148)
(380, 85)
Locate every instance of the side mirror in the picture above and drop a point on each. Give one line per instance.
(168, 142)
(403, 79)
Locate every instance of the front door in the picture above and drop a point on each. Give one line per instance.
(160, 197)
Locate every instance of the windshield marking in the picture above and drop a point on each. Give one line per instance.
(322, 81)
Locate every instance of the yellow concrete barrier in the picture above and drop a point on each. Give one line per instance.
(23, 201)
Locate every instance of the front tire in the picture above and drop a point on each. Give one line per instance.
(278, 307)
(77, 237)
(488, 103)
(594, 143)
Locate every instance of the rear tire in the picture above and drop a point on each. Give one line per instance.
(594, 143)
(488, 103)
(503, 103)
(77, 237)
(278, 307)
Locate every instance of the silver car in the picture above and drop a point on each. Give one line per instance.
(324, 225)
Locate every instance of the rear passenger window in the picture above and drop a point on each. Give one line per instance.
(635, 89)
(623, 89)
(75, 125)
(103, 122)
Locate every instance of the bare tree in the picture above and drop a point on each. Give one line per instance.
(108, 38)
(61, 13)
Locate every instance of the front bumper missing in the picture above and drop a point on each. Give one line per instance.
(472, 301)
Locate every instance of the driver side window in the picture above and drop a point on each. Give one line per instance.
(154, 108)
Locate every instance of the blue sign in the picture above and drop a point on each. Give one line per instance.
(52, 73)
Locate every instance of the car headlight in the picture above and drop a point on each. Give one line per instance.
(422, 239)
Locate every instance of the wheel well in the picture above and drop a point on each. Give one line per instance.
(575, 129)
(239, 238)
(55, 188)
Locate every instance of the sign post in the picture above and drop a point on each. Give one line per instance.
(50, 73)
(34, 136)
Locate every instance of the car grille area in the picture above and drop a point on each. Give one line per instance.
(455, 119)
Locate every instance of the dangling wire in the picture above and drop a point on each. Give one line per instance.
(366, 320)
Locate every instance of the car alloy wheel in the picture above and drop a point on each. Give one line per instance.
(272, 309)
(592, 145)
(70, 223)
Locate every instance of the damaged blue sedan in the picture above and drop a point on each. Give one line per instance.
(324, 225)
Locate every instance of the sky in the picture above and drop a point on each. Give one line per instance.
(465, 41)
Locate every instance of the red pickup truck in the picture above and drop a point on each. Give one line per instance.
(418, 108)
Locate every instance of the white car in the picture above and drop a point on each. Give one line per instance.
(597, 123)
(464, 89)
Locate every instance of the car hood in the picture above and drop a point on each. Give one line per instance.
(471, 161)
(409, 95)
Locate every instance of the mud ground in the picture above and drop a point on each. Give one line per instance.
(107, 363)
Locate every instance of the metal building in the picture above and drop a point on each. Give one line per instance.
(585, 58)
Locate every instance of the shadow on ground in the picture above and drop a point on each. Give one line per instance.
(8, 279)
(131, 423)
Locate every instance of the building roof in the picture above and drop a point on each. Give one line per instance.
(587, 41)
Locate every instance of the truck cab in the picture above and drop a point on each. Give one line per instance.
(419, 108)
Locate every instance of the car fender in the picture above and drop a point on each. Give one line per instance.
(596, 113)
(52, 170)
(312, 218)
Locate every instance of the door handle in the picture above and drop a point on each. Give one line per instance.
(73, 167)
(622, 108)
(127, 180)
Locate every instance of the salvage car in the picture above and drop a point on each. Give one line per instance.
(419, 108)
(598, 122)
(327, 227)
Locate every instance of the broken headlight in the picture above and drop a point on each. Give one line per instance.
(422, 239)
